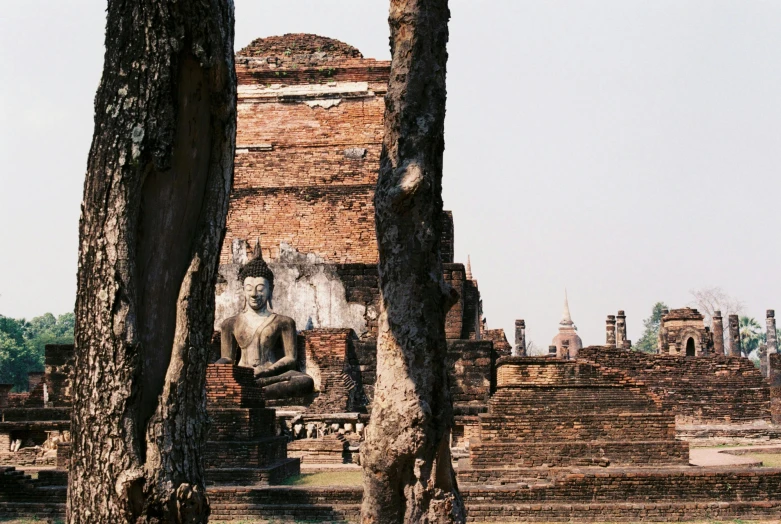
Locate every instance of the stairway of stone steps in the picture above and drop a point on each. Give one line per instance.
(16, 486)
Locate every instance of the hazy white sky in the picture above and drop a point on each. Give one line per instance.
(627, 150)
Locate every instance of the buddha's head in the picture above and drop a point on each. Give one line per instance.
(258, 283)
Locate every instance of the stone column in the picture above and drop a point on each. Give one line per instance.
(718, 333)
(734, 336)
(772, 336)
(621, 329)
(610, 331)
(520, 338)
(774, 374)
(763, 368)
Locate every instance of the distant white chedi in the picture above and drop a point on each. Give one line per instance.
(568, 332)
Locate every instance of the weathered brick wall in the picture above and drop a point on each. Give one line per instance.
(330, 358)
(501, 345)
(713, 388)
(455, 276)
(309, 137)
(472, 374)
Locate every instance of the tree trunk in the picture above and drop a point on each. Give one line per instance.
(153, 218)
(408, 475)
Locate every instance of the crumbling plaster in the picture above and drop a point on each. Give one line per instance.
(305, 289)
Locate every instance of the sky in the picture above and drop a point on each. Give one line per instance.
(628, 151)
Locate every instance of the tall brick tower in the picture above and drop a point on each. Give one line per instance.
(310, 129)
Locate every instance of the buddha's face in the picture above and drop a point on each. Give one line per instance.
(257, 291)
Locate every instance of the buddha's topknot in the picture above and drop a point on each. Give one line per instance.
(256, 268)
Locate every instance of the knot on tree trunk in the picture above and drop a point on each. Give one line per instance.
(191, 504)
(410, 178)
(130, 491)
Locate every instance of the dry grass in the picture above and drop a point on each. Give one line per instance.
(33, 520)
(327, 478)
(769, 460)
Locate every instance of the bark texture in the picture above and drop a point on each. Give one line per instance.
(153, 217)
(408, 476)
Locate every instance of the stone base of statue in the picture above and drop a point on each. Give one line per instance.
(243, 447)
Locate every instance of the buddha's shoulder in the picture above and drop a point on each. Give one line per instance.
(283, 321)
(229, 323)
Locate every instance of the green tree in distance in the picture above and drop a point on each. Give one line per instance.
(649, 342)
(751, 334)
(22, 344)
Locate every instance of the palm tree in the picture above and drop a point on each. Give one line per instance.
(751, 335)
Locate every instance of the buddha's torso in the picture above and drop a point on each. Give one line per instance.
(259, 339)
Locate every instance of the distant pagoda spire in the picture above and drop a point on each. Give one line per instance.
(566, 318)
(468, 268)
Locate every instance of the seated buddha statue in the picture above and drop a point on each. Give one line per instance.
(263, 340)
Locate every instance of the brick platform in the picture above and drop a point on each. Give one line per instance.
(711, 389)
(558, 413)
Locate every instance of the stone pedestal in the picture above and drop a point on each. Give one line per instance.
(242, 446)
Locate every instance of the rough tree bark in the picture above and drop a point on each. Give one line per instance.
(408, 475)
(153, 217)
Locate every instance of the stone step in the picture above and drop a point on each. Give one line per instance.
(623, 511)
(336, 513)
(245, 454)
(570, 453)
(270, 475)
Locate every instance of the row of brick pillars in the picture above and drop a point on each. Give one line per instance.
(615, 331)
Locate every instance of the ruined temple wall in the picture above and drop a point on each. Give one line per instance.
(344, 369)
(709, 389)
(322, 295)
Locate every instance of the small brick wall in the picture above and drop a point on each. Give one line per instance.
(58, 368)
(709, 389)
(232, 386)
